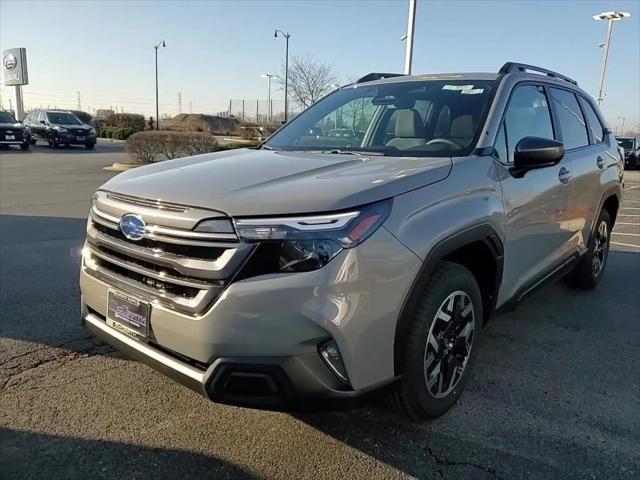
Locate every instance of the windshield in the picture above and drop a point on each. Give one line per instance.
(421, 118)
(625, 142)
(63, 118)
(6, 117)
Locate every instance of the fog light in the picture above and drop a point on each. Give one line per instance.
(330, 353)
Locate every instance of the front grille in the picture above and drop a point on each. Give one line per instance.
(177, 267)
(79, 131)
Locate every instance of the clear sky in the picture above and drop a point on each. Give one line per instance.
(216, 50)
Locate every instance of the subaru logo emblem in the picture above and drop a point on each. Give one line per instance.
(9, 61)
(132, 226)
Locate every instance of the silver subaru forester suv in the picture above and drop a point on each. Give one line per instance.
(321, 267)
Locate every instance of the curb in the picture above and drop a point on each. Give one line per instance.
(120, 167)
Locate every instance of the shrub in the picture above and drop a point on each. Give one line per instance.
(133, 121)
(122, 133)
(146, 147)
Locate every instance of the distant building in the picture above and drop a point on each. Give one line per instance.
(103, 113)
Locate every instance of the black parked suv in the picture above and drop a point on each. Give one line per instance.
(59, 128)
(631, 147)
(13, 132)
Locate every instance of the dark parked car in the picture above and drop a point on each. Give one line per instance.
(13, 132)
(59, 128)
(631, 147)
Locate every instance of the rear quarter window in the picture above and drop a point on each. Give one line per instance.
(596, 129)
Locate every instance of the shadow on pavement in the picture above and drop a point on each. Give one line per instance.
(39, 294)
(42, 148)
(58, 457)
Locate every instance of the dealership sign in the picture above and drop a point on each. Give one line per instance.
(14, 67)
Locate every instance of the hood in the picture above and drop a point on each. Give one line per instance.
(262, 182)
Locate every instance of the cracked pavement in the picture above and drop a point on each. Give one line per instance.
(555, 392)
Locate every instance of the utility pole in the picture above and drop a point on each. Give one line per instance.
(408, 54)
(286, 73)
(179, 102)
(163, 45)
(79, 104)
(190, 107)
(610, 17)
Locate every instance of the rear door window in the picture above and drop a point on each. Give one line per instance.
(573, 126)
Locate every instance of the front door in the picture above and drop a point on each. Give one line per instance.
(536, 204)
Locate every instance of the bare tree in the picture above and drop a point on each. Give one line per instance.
(309, 80)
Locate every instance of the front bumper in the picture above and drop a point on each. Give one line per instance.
(72, 138)
(261, 336)
(286, 383)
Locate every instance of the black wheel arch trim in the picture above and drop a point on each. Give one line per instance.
(484, 233)
(614, 191)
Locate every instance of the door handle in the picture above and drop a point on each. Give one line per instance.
(601, 163)
(564, 175)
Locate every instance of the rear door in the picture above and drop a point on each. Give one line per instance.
(584, 162)
(536, 204)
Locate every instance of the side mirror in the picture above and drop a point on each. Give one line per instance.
(43, 122)
(536, 152)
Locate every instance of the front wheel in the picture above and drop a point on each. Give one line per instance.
(25, 147)
(590, 270)
(53, 143)
(441, 343)
(90, 146)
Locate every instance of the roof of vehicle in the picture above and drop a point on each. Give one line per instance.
(520, 69)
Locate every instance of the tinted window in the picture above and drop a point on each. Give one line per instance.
(527, 116)
(42, 117)
(6, 117)
(63, 118)
(572, 124)
(595, 127)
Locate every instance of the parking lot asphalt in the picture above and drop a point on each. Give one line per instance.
(555, 392)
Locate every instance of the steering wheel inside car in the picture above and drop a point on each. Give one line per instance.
(448, 141)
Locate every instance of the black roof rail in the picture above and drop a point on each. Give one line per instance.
(370, 77)
(510, 67)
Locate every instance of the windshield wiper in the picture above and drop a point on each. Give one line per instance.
(337, 151)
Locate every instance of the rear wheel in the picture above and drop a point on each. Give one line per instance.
(441, 343)
(590, 270)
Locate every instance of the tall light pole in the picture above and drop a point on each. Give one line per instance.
(610, 17)
(161, 44)
(286, 73)
(269, 76)
(408, 54)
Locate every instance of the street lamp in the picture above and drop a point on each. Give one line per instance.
(408, 54)
(163, 45)
(269, 76)
(610, 17)
(286, 72)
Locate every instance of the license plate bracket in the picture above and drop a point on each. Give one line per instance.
(80, 139)
(128, 314)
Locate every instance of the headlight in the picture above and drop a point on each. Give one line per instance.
(60, 129)
(310, 242)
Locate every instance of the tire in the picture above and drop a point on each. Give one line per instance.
(90, 146)
(33, 141)
(52, 142)
(425, 347)
(25, 147)
(588, 273)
